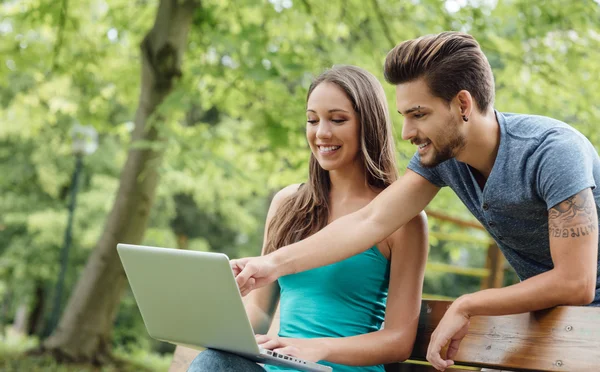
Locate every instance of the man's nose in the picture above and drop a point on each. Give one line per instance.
(408, 131)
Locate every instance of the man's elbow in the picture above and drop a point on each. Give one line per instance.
(587, 293)
(581, 292)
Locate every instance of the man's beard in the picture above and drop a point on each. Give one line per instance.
(454, 143)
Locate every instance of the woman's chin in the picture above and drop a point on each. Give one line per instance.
(329, 165)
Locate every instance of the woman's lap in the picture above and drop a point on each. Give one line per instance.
(221, 361)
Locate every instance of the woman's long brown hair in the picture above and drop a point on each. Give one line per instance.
(307, 211)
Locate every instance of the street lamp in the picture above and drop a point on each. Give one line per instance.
(85, 142)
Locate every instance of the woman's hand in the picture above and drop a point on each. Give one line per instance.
(309, 349)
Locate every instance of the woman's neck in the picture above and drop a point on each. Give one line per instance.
(349, 182)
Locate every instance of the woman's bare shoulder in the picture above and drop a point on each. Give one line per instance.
(417, 225)
(285, 193)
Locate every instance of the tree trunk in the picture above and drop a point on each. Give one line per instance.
(36, 317)
(20, 323)
(33, 322)
(83, 333)
(183, 241)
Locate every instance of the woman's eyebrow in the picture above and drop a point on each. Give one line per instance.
(332, 110)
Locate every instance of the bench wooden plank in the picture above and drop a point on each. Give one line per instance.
(182, 358)
(559, 339)
(407, 367)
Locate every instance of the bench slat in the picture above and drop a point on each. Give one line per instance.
(407, 367)
(182, 358)
(559, 339)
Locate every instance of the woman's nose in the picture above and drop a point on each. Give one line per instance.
(324, 129)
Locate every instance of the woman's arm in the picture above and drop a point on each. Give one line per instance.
(261, 304)
(409, 246)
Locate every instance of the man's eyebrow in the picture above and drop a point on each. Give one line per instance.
(412, 109)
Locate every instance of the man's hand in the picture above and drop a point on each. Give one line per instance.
(452, 328)
(307, 349)
(254, 272)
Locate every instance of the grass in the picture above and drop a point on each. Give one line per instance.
(14, 357)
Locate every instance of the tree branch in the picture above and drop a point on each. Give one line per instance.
(384, 25)
(320, 34)
(60, 34)
(454, 220)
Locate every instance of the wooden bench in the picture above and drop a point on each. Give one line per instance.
(565, 338)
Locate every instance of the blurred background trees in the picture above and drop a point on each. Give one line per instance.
(229, 130)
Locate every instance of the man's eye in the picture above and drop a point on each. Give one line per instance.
(418, 116)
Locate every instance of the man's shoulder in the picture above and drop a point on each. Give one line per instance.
(525, 127)
(531, 133)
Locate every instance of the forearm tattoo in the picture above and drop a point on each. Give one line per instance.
(574, 217)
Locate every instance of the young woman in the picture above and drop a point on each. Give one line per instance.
(334, 314)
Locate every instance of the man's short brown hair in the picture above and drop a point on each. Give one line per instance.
(449, 62)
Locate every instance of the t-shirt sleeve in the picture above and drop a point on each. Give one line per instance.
(565, 166)
(430, 174)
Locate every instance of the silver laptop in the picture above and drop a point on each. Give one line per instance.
(191, 298)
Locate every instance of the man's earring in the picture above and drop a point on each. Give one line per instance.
(465, 118)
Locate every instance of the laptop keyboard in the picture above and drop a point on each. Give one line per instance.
(284, 357)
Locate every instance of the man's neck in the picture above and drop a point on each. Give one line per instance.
(482, 143)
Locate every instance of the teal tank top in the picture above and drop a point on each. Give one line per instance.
(347, 298)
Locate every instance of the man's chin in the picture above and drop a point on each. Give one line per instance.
(427, 164)
(432, 163)
(427, 161)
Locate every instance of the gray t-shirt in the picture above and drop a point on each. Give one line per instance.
(540, 163)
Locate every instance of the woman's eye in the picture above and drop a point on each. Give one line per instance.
(312, 121)
(339, 121)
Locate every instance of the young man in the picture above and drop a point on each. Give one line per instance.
(530, 180)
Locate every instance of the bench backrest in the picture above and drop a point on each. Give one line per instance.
(565, 338)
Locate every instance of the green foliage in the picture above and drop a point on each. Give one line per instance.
(233, 130)
(15, 357)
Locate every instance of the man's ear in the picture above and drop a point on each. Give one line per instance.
(465, 103)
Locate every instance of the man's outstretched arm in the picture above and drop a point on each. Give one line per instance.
(343, 238)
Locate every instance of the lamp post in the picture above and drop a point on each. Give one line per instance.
(85, 142)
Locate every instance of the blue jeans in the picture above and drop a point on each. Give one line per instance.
(220, 361)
